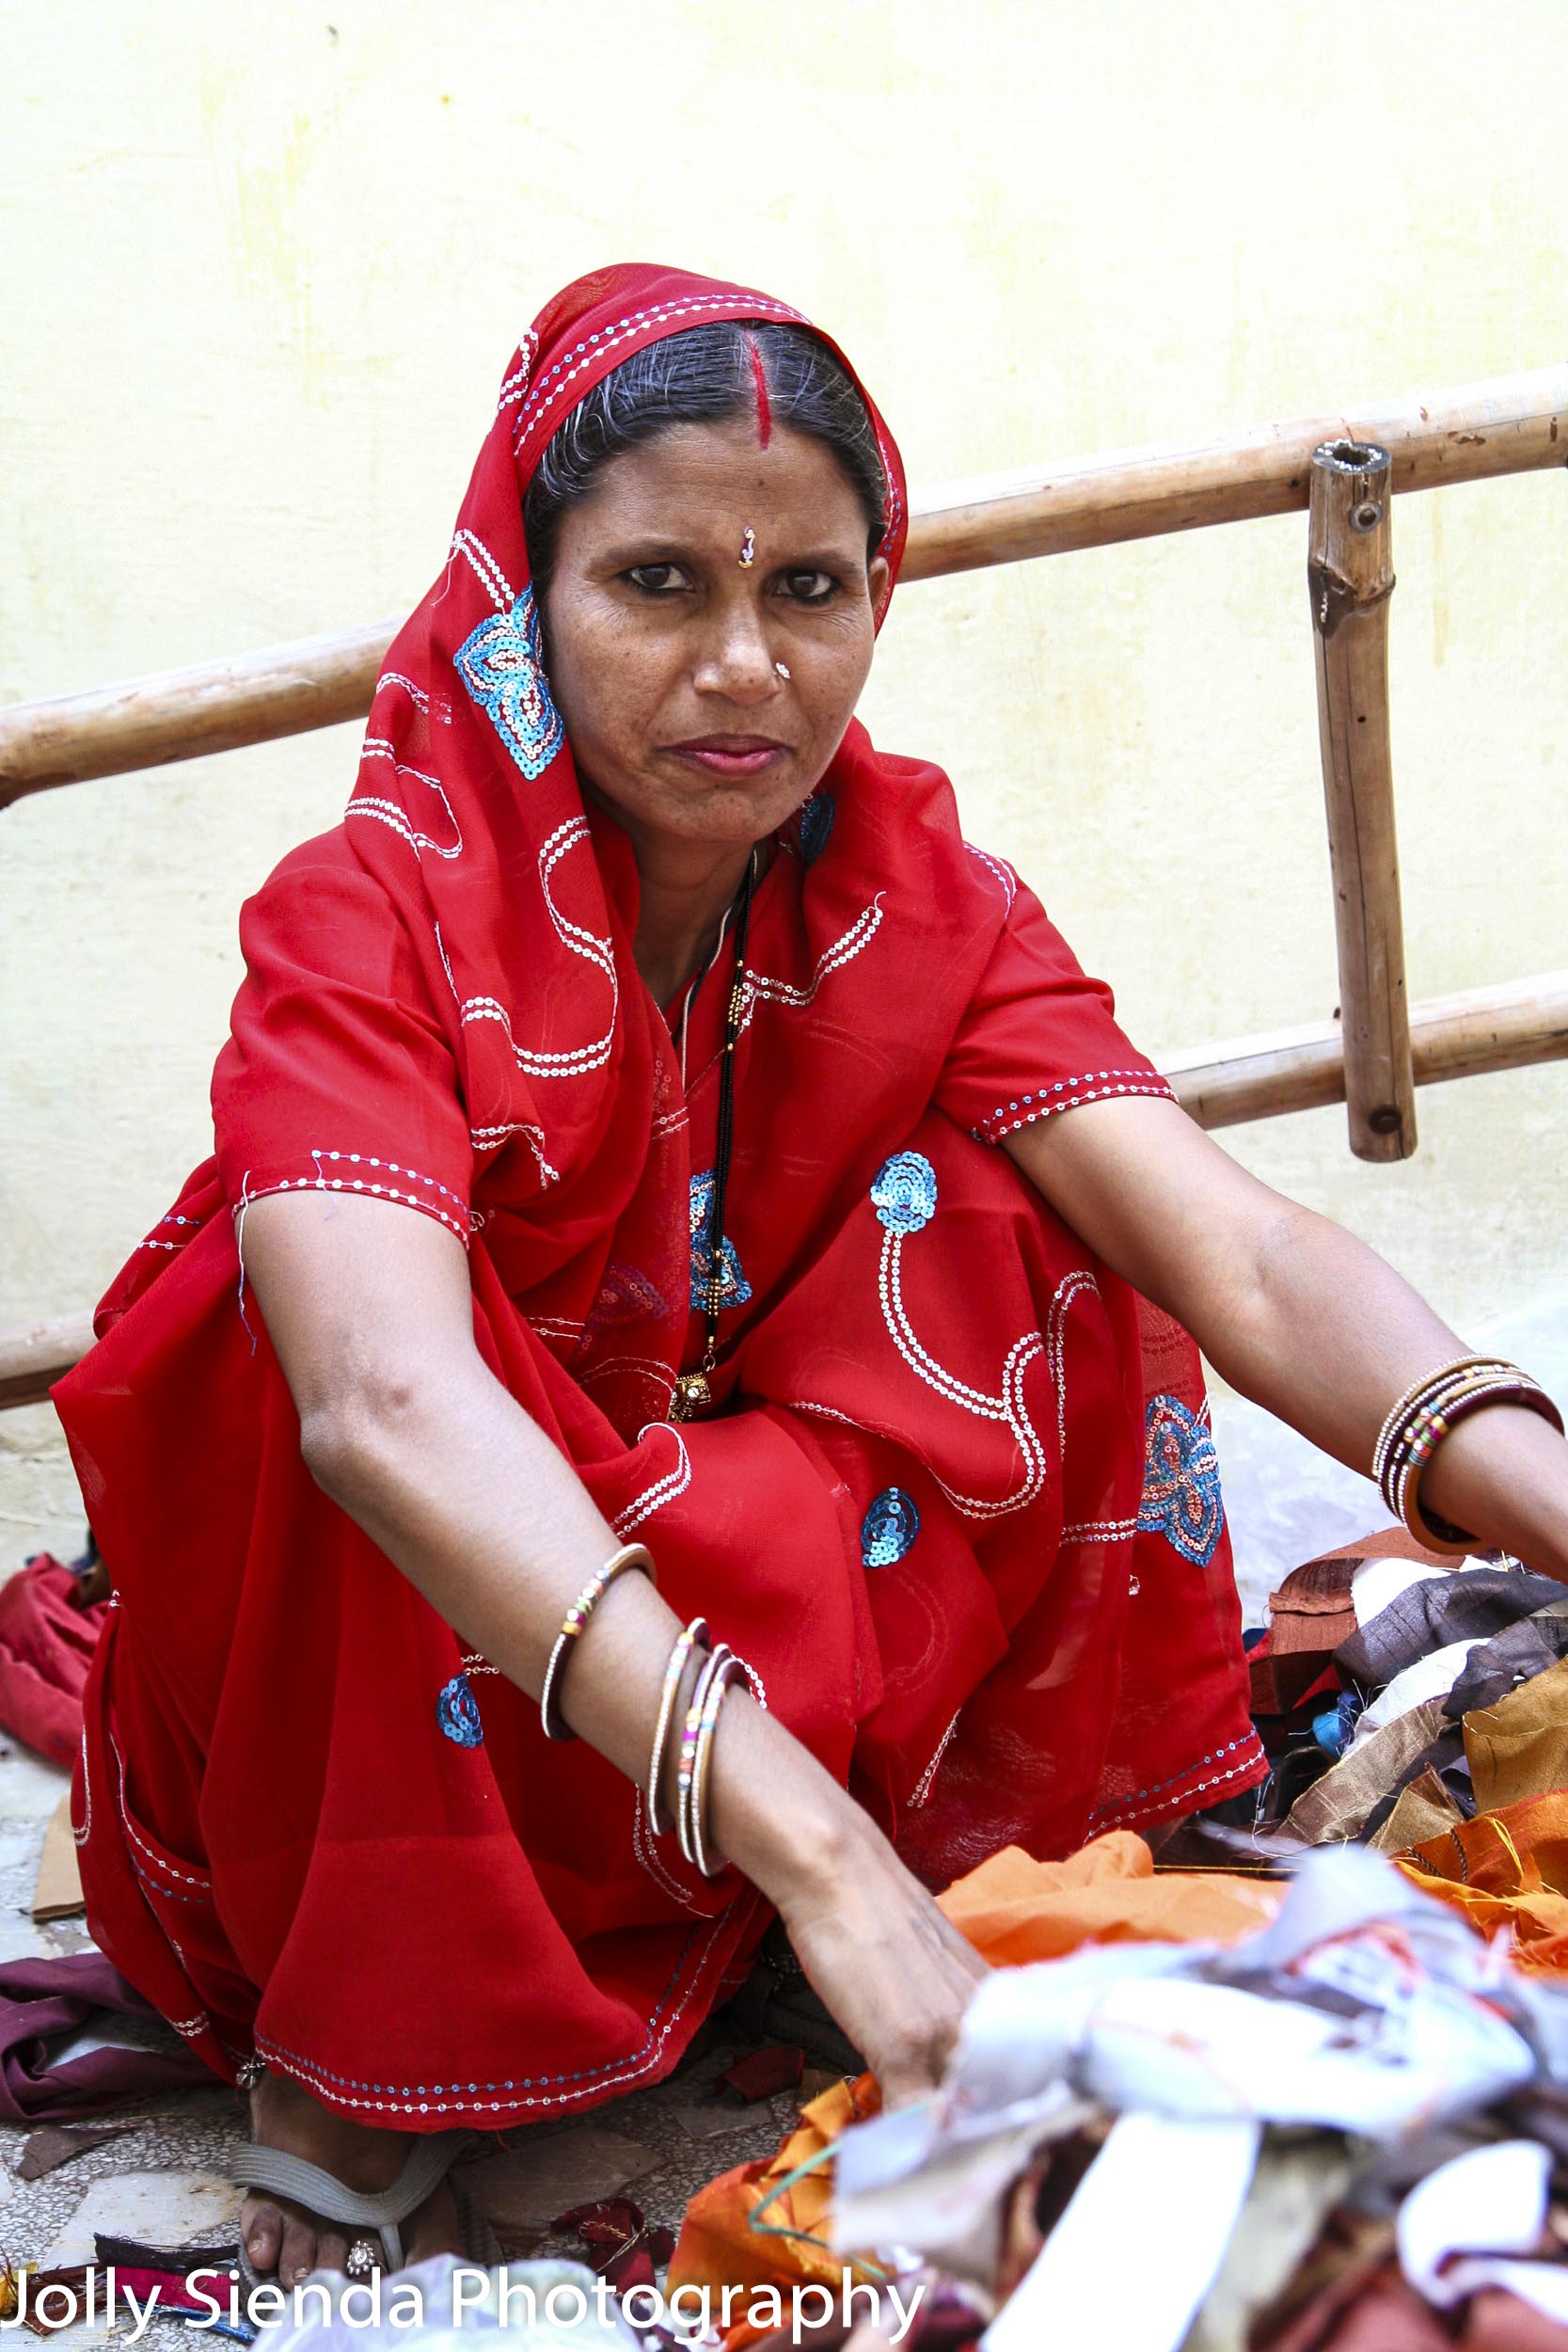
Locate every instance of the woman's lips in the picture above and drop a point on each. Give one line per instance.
(732, 754)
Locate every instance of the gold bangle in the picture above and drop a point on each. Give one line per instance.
(731, 1670)
(716, 1660)
(695, 1633)
(572, 1626)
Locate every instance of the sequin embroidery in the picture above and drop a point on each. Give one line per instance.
(501, 665)
(458, 1712)
(905, 1193)
(625, 1295)
(733, 1289)
(889, 1528)
(1181, 1496)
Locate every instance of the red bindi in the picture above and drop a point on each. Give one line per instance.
(765, 411)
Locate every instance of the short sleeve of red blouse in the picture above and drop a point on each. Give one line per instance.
(1039, 1036)
(337, 1075)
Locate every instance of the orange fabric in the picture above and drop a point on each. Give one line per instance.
(1012, 1909)
(1506, 1872)
(717, 2246)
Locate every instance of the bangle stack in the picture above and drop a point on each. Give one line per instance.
(1421, 1420)
(694, 1767)
(719, 1669)
(572, 1627)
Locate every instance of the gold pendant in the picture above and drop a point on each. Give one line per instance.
(692, 1395)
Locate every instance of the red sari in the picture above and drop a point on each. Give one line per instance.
(957, 1504)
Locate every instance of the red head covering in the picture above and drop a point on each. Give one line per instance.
(518, 901)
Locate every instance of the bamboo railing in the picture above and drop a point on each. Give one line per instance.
(1344, 471)
(1513, 424)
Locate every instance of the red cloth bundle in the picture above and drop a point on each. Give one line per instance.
(47, 1639)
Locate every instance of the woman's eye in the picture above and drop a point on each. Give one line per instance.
(657, 580)
(810, 587)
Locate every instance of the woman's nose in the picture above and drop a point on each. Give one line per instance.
(736, 660)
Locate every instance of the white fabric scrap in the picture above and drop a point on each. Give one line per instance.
(1429, 1677)
(1179, 2188)
(1458, 2229)
(911, 2178)
(1381, 1581)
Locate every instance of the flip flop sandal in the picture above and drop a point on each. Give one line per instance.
(374, 2218)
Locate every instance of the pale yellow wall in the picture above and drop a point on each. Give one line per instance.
(259, 269)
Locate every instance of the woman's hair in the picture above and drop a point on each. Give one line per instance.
(704, 375)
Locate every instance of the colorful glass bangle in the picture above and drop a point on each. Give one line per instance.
(1420, 1394)
(1439, 1534)
(572, 1628)
(696, 1633)
(732, 1670)
(1422, 1436)
(686, 1775)
(1425, 1409)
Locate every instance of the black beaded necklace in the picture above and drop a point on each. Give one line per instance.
(693, 1390)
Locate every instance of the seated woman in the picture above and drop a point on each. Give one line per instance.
(784, 1199)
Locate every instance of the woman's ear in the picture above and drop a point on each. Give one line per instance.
(877, 579)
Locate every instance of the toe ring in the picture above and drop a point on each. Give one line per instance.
(364, 2256)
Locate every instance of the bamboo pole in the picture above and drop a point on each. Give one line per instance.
(1510, 1026)
(1470, 433)
(33, 1358)
(1510, 425)
(183, 714)
(1350, 575)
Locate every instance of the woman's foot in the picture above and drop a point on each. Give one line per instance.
(281, 2237)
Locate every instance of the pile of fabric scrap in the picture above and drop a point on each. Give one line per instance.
(1419, 1704)
(1344, 2129)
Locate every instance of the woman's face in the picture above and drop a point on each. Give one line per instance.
(668, 656)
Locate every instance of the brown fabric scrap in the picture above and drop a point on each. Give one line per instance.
(58, 2143)
(1319, 1588)
(1519, 1748)
(1336, 1807)
(1309, 1617)
(1424, 1809)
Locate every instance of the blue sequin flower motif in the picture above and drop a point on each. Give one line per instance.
(1182, 1498)
(889, 1528)
(458, 1712)
(817, 824)
(905, 1193)
(501, 665)
(733, 1289)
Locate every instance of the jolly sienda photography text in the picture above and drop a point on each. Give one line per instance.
(219, 2300)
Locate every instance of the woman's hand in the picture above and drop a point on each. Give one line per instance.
(895, 1973)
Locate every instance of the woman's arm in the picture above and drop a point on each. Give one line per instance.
(404, 1425)
(1291, 1308)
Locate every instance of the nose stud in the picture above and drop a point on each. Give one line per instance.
(782, 669)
